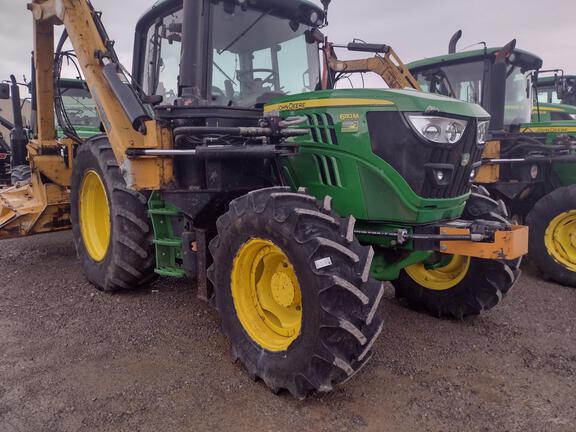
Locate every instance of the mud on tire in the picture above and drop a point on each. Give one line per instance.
(339, 301)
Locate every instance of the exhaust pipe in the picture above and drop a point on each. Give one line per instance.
(18, 136)
(454, 42)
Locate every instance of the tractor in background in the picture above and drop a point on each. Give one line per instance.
(555, 96)
(529, 163)
(76, 113)
(556, 89)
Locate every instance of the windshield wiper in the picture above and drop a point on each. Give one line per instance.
(241, 35)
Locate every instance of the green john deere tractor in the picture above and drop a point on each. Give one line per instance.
(530, 162)
(288, 201)
(556, 89)
(555, 97)
(365, 192)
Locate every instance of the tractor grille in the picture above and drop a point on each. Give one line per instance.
(418, 161)
(328, 169)
(322, 129)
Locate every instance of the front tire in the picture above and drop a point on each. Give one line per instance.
(110, 225)
(552, 223)
(458, 286)
(293, 291)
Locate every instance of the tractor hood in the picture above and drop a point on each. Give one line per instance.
(401, 100)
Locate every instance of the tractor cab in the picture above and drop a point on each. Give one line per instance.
(75, 109)
(238, 54)
(556, 89)
(472, 76)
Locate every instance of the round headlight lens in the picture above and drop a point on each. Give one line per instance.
(431, 131)
(454, 132)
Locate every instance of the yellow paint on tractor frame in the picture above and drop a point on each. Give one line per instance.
(549, 129)
(324, 103)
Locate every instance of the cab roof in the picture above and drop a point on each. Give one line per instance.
(289, 9)
(548, 81)
(528, 60)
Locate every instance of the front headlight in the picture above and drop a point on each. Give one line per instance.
(441, 130)
(482, 132)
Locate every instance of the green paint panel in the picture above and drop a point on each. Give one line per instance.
(334, 161)
(168, 245)
(565, 172)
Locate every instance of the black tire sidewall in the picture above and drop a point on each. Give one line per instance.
(539, 218)
(87, 160)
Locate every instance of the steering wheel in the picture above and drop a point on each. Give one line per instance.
(243, 75)
(217, 91)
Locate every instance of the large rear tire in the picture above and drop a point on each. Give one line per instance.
(460, 286)
(293, 291)
(110, 223)
(552, 223)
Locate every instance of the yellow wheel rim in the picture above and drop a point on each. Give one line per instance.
(94, 216)
(266, 295)
(560, 239)
(441, 278)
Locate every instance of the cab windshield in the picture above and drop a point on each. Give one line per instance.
(80, 107)
(465, 81)
(256, 56)
(548, 95)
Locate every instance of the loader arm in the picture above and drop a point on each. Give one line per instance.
(42, 204)
(122, 115)
(389, 66)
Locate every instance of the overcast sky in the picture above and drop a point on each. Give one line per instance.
(416, 29)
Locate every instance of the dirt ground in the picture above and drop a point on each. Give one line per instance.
(75, 359)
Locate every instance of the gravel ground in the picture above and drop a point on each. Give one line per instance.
(75, 359)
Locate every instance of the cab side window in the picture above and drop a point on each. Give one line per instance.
(162, 57)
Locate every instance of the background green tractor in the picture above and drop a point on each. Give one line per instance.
(75, 109)
(77, 117)
(555, 97)
(556, 89)
(530, 163)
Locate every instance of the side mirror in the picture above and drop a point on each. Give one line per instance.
(561, 87)
(326, 4)
(4, 91)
